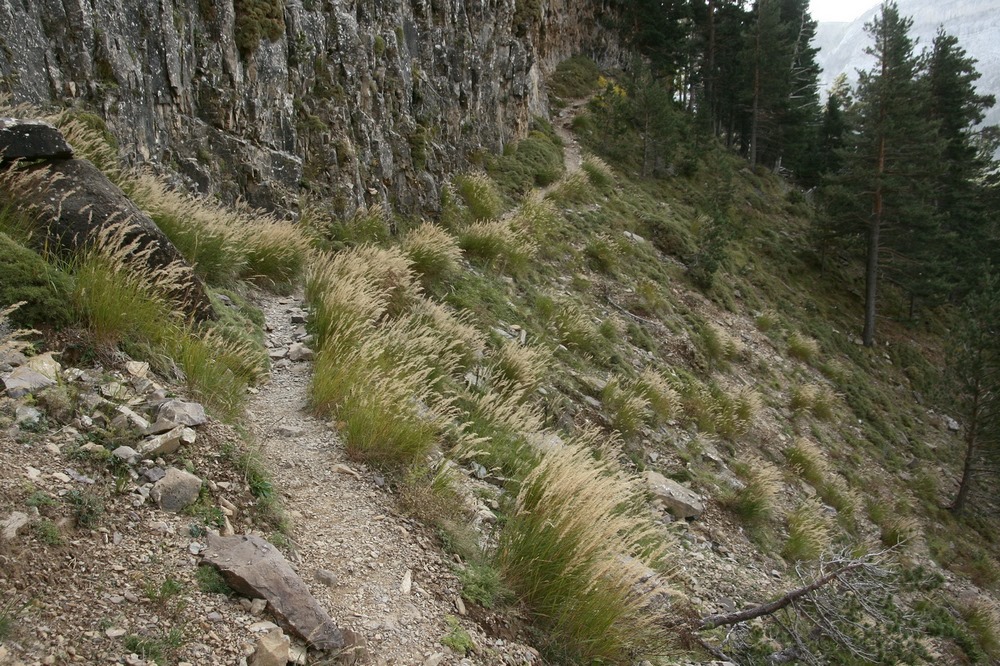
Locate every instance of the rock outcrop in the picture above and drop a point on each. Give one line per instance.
(362, 101)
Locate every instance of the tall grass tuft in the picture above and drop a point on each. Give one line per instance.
(224, 244)
(434, 253)
(808, 461)
(574, 550)
(536, 217)
(983, 623)
(480, 195)
(802, 347)
(664, 401)
(598, 173)
(524, 365)
(355, 286)
(464, 342)
(627, 408)
(809, 532)
(755, 502)
(494, 242)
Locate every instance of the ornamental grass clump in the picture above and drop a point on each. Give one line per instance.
(664, 401)
(495, 243)
(434, 253)
(809, 532)
(627, 408)
(524, 365)
(575, 549)
(755, 502)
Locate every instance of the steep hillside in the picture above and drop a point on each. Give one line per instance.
(974, 22)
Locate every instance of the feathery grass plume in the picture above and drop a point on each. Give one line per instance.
(495, 242)
(719, 346)
(767, 321)
(118, 296)
(801, 397)
(755, 502)
(359, 285)
(388, 409)
(480, 195)
(806, 459)
(809, 532)
(500, 428)
(896, 527)
(602, 253)
(841, 497)
(224, 243)
(746, 408)
(91, 140)
(410, 337)
(664, 401)
(802, 347)
(575, 550)
(598, 173)
(627, 408)
(822, 404)
(574, 328)
(468, 342)
(217, 370)
(983, 622)
(434, 252)
(574, 188)
(698, 403)
(524, 365)
(536, 217)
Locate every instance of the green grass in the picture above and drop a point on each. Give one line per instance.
(26, 277)
(574, 78)
(210, 581)
(457, 638)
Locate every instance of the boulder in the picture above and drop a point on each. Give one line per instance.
(26, 139)
(256, 569)
(271, 650)
(176, 490)
(23, 381)
(183, 413)
(14, 522)
(680, 501)
(166, 443)
(299, 352)
(75, 202)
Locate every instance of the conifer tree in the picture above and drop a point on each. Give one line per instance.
(883, 193)
(974, 361)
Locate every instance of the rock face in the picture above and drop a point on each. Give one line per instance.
(681, 502)
(365, 101)
(30, 140)
(255, 568)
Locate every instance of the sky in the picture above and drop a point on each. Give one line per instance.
(839, 10)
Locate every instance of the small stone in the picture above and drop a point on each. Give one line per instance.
(167, 443)
(341, 468)
(407, 584)
(460, 605)
(27, 416)
(679, 500)
(263, 625)
(271, 649)
(257, 607)
(327, 577)
(154, 474)
(14, 522)
(137, 368)
(32, 473)
(299, 352)
(289, 431)
(182, 413)
(30, 139)
(298, 317)
(278, 353)
(114, 633)
(176, 490)
(23, 381)
(434, 659)
(59, 476)
(126, 453)
(131, 417)
(215, 616)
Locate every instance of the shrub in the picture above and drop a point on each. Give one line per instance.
(482, 584)
(575, 550)
(755, 502)
(808, 532)
(718, 346)
(434, 253)
(257, 20)
(26, 278)
(574, 78)
(573, 189)
(457, 638)
(602, 253)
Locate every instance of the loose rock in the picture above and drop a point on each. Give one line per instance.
(176, 490)
(678, 500)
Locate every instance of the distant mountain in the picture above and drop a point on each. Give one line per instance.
(976, 23)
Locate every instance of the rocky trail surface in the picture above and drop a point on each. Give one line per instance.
(376, 571)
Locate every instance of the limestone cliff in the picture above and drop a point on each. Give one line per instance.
(362, 101)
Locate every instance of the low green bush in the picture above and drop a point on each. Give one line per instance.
(44, 289)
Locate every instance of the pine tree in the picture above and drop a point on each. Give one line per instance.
(883, 193)
(965, 164)
(974, 361)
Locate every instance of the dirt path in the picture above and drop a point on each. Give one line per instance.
(345, 522)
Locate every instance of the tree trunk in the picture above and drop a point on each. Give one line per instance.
(970, 454)
(871, 267)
